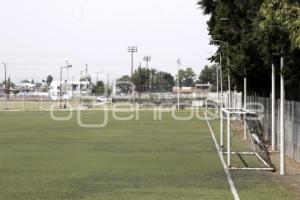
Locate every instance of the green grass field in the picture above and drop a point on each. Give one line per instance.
(43, 159)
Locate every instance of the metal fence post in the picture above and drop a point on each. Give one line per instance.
(228, 140)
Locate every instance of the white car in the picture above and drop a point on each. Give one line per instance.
(101, 99)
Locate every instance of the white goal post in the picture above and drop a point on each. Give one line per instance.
(228, 113)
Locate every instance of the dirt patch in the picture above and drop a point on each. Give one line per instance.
(291, 181)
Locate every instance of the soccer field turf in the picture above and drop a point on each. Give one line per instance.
(138, 159)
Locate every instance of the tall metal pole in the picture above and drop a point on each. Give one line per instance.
(227, 46)
(273, 109)
(132, 66)
(132, 50)
(221, 132)
(221, 113)
(218, 88)
(60, 84)
(228, 140)
(229, 88)
(245, 107)
(68, 86)
(221, 76)
(282, 124)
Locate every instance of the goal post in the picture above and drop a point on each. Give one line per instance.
(256, 141)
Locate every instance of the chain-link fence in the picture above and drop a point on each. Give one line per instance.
(144, 100)
(292, 123)
(42, 103)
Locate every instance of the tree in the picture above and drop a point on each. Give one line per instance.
(8, 86)
(143, 78)
(124, 85)
(258, 33)
(99, 88)
(162, 82)
(140, 79)
(49, 80)
(186, 77)
(208, 75)
(284, 14)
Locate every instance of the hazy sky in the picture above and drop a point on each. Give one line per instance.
(37, 36)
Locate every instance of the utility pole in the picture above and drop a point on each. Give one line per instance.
(147, 59)
(132, 50)
(5, 85)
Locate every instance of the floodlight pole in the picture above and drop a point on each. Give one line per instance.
(273, 109)
(132, 50)
(282, 124)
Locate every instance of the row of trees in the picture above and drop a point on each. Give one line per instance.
(258, 33)
(159, 81)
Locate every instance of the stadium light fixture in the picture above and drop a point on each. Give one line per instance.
(132, 50)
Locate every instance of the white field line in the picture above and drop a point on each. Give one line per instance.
(228, 175)
(83, 109)
(99, 109)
